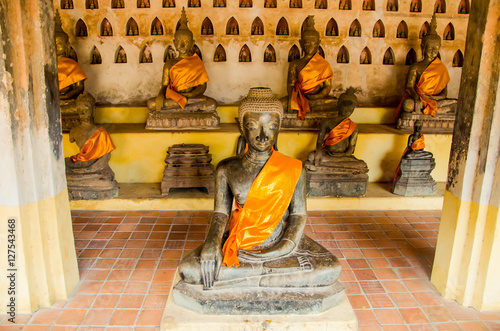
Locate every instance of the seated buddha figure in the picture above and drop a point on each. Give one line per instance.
(184, 80)
(265, 247)
(309, 79)
(71, 81)
(427, 80)
(416, 144)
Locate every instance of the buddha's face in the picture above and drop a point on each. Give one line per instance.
(431, 49)
(346, 108)
(184, 43)
(309, 43)
(62, 47)
(260, 130)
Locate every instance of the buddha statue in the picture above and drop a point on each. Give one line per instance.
(180, 102)
(71, 81)
(88, 174)
(426, 92)
(264, 249)
(332, 168)
(309, 79)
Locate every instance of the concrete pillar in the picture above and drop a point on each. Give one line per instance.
(33, 185)
(467, 263)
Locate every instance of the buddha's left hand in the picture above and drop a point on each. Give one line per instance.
(284, 248)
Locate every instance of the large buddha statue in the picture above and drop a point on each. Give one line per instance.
(309, 79)
(71, 82)
(332, 169)
(257, 257)
(426, 92)
(180, 102)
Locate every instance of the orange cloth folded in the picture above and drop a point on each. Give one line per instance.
(99, 144)
(343, 130)
(316, 71)
(69, 72)
(432, 82)
(266, 203)
(417, 145)
(188, 72)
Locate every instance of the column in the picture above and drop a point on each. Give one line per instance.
(33, 189)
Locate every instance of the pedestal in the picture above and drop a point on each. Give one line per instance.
(439, 124)
(94, 186)
(310, 121)
(182, 120)
(415, 178)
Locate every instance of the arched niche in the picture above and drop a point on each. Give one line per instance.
(392, 5)
(402, 31)
(332, 28)
(321, 52)
(246, 3)
(156, 27)
(388, 57)
(132, 28)
(245, 55)
(72, 54)
(304, 24)
(424, 29)
(343, 55)
(345, 5)
(81, 29)
(355, 29)
(368, 5)
(366, 56)
(106, 28)
(120, 55)
(67, 4)
(257, 27)
(379, 29)
(440, 7)
(269, 3)
(169, 54)
(117, 4)
(411, 57)
(168, 4)
(232, 27)
(463, 7)
(269, 54)
(458, 59)
(143, 4)
(294, 53)
(416, 6)
(222, 4)
(95, 56)
(449, 32)
(145, 55)
(282, 27)
(207, 28)
(92, 4)
(321, 4)
(220, 54)
(197, 51)
(194, 3)
(295, 4)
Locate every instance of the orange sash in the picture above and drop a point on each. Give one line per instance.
(343, 130)
(186, 73)
(99, 144)
(266, 203)
(432, 82)
(316, 71)
(69, 72)
(417, 145)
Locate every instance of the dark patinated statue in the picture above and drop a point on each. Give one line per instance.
(180, 102)
(264, 264)
(332, 169)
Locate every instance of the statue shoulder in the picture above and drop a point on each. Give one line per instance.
(229, 163)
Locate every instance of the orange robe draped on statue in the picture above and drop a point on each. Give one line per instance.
(188, 72)
(417, 145)
(99, 144)
(432, 82)
(343, 130)
(69, 72)
(266, 203)
(316, 71)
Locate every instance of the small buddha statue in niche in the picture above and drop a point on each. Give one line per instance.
(265, 248)
(426, 92)
(416, 144)
(71, 81)
(309, 79)
(183, 84)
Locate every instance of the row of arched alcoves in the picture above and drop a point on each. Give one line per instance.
(257, 28)
(245, 55)
(391, 5)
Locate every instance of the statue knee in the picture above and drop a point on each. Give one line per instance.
(408, 105)
(189, 271)
(151, 104)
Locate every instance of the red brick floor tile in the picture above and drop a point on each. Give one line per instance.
(124, 317)
(372, 287)
(394, 286)
(164, 275)
(366, 317)
(113, 287)
(352, 288)
(422, 327)
(474, 326)
(98, 317)
(146, 264)
(34, 328)
(63, 328)
(379, 263)
(162, 288)
(358, 263)
(358, 301)
(413, 315)
(142, 275)
(155, 302)
(385, 273)
(45, 316)
(125, 264)
(380, 300)
(97, 275)
(427, 299)
(89, 287)
(119, 274)
(417, 285)
(131, 253)
(389, 316)
(71, 317)
(403, 299)
(448, 326)
(365, 274)
(131, 301)
(134, 287)
(347, 276)
(437, 314)
(395, 328)
(81, 301)
(105, 301)
(150, 317)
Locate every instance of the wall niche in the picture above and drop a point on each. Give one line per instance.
(458, 59)
(355, 29)
(91, 4)
(132, 28)
(168, 4)
(156, 27)
(207, 29)
(245, 55)
(282, 27)
(379, 29)
(411, 57)
(143, 4)
(220, 54)
(219, 3)
(366, 56)
(116, 4)
(449, 32)
(194, 3)
(424, 29)
(269, 54)
(170, 53)
(343, 55)
(232, 27)
(392, 5)
(416, 6)
(95, 56)
(463, 7)
(402, 31)
(269, 3)
(293, 54)
(257, 27)
(197, 51)
(345, 5)
(67, 4)
(440, 7)
(106, 28)
(145, 55)
(368, 4)
(81, 29)
(388, 57)
(120, 55)
(246, 3)
(321, 4)
(72, 54)
(332, 28)
(295, 4)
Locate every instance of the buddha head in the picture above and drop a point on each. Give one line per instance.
(347, 102)
(431, 42)
(62, 39)
(183, 38)
(417, 128)
(309, 37)
(260, 115)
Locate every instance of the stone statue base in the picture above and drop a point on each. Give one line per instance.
(188, 166)
(311, 120)
(343, 176)
(443, 123)
(415, 178)
(182, 120)
(71, 110)
(100, 185)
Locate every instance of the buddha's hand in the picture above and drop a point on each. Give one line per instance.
(418, 105)
(283, 248)
(210, 260)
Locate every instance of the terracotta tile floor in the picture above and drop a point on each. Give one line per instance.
(127, 262)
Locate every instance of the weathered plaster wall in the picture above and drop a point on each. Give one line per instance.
(134, 82)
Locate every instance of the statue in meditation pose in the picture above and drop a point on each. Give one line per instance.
(180, 102)
(332, 168)
(426, 88)
(264, 263)
(71, 82)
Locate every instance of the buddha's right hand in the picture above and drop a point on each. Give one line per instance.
(210, 260)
